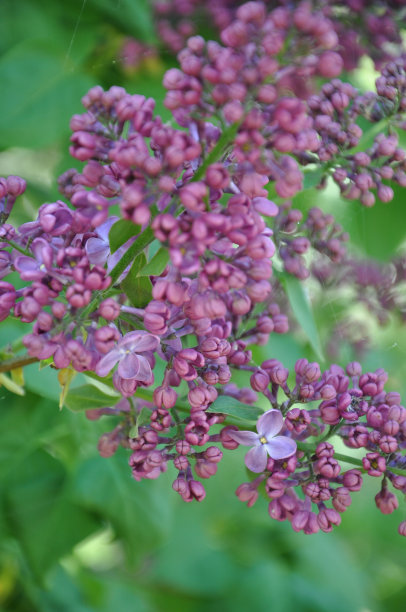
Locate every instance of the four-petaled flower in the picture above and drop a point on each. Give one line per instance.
(265, 442)
(128, 353)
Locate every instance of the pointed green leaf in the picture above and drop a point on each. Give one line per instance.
(135, 249)
(312, 178)
(120, 232)
(225, 404)
(88, 397)
(157, 265)
(302, 309)
(138, 288)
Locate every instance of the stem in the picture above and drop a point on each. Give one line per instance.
(15, 246)
(17, 362)
(309, 448)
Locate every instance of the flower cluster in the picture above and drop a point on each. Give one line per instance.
(360, 27)
(156, 276)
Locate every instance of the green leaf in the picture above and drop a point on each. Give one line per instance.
(135, 249)
(39, 94)
(39, 510)
(135, 18)
(142, 418)
(120, 232)
(228, 405)
(138, 288)
(226, 138)
(10, 384)
(312, 178)
(135, 510)
(88, 397)
(302, 309)
(157, 265)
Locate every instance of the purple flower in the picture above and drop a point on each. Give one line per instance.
(128, 353)
(265, 442)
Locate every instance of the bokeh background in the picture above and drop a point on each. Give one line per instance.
(77, 534)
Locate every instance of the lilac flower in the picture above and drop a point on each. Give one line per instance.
(265, 442)
(129, 354)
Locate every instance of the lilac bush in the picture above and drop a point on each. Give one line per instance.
(167, 262)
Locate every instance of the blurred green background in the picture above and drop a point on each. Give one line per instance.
(77, 534)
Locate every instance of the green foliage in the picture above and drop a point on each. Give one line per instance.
(228, 405)
(58, 497)
(138, 288)
(302, 309)
(87, 397)
(121, 232)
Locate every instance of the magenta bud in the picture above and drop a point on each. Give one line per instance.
(259, 381)
(197, 490)
(109, 309)
(352, 480)
(182, 447)
(165, 397)
(246, 492)
(386, 501)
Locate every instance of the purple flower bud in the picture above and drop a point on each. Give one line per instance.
(327, 518)
(386, 501)
(109, 309)
(165, 397)
(259, 380)
(352, 480)
(341, 499)
(374, 464)
(7, 299)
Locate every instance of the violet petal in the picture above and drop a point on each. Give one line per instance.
(270, 423)
(248, 438)
(144, 373)
(107, 363)
(256, 459)
(129, 366)
(281, 447)
(139, 341)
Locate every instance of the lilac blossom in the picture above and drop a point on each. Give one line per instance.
(129, 353)
(265, 442)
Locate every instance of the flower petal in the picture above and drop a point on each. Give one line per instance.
(144, 373)
(256, 459)
(281, 447)
(139, 341)
(107, 363)
(270, 423)
(248, 438)
(129, 366)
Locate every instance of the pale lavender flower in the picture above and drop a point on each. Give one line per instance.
(129, 354)
(265, 442)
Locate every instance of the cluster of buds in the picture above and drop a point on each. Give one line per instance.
(375, 30)
(165, 303)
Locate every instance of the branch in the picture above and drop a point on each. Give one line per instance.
(16, 362)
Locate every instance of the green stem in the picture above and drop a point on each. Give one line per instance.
(216, 153)
(15, 246)
(310, 448)
(16, 362)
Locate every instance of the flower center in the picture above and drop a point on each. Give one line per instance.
(263, 440)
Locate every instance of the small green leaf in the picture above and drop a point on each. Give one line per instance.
(142, 418)
(138, 288)
(44, 363)
(157, 265)
(120, 232)
(225, 404)
(135, 249)
(89, 397)
(312, 178)
(226, 138)
(7, 382)
(302, 309)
